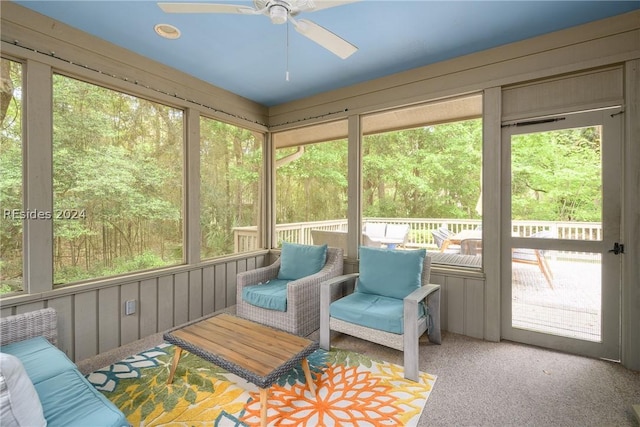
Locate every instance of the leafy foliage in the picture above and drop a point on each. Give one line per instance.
(118, 159)
(312, 187)
(556, 176)
(11, 193)
(230, 174)
(428, 172)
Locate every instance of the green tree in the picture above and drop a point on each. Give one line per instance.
(120, 168)
(428, 172)
(230, 171)
(11, 192)
(556, 176)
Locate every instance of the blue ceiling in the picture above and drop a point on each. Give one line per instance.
(247, 54)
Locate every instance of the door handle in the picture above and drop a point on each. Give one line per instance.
(618, 248)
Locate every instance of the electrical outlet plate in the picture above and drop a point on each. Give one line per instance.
(130, 307)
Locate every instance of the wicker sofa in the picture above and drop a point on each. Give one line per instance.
(62, 395)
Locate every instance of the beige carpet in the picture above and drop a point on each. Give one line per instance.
(494, 384)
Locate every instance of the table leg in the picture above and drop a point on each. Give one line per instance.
(307, 375)
(264, 397)
(174, 364)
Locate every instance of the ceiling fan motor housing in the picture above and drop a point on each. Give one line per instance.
(280, 10)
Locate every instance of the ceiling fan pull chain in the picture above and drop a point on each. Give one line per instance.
(286, 75)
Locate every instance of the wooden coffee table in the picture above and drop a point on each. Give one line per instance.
(257, 353)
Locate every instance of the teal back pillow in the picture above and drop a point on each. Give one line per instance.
(298, 261)
(390, 273)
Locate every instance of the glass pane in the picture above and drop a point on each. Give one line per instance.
(11, 194)
(429, 180)
(311, 190)
(117, 182)
(230, 175)
(556, 184)
(557, 292)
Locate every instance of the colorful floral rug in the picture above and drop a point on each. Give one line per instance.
(352, 390)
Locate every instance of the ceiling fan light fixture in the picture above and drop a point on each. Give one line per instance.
(278, 14)
(167, 31)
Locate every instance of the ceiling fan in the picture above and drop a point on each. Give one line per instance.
(280, 12)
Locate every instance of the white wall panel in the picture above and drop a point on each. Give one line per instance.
(148, 307)
(474, 308)
(85, 322)
(230, 279)
(181, 298)
(195, 294)
(208, 290)
(108, 306)
(165, 303)
(220, 287)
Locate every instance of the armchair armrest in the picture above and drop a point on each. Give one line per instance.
(330, 291)
(432, 295)
(32, 324)
(258, 275)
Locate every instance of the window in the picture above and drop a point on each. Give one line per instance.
(11, 195)
(117, 182)
(311, 185)
(230, 199)
(421, 175)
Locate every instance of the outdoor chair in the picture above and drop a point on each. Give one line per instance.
(391, 304)
(286, 294)
(396, 235)
(535, 257)
(379, 234)
(471, 247)
(442, 234)
(373, 234)
(331, 238)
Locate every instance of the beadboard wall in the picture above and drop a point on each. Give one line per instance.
(92, 319)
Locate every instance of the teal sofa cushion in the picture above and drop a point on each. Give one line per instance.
(69, 400)
(372, 311)
(390, 273)
(298, 261)
(67, 397)
(271, 295)
(40, 359)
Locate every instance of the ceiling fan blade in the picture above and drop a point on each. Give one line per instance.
(324, 38)
(325, 4)
(205, 8)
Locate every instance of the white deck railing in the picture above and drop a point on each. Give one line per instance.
(246, 238)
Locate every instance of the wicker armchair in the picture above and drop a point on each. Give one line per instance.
(414, 324)
(302, 316)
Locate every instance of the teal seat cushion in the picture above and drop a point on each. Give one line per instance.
(390, 273)
(271, 295)
(298, 261)
(69, 400)
(372, 311)
(40, 358)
